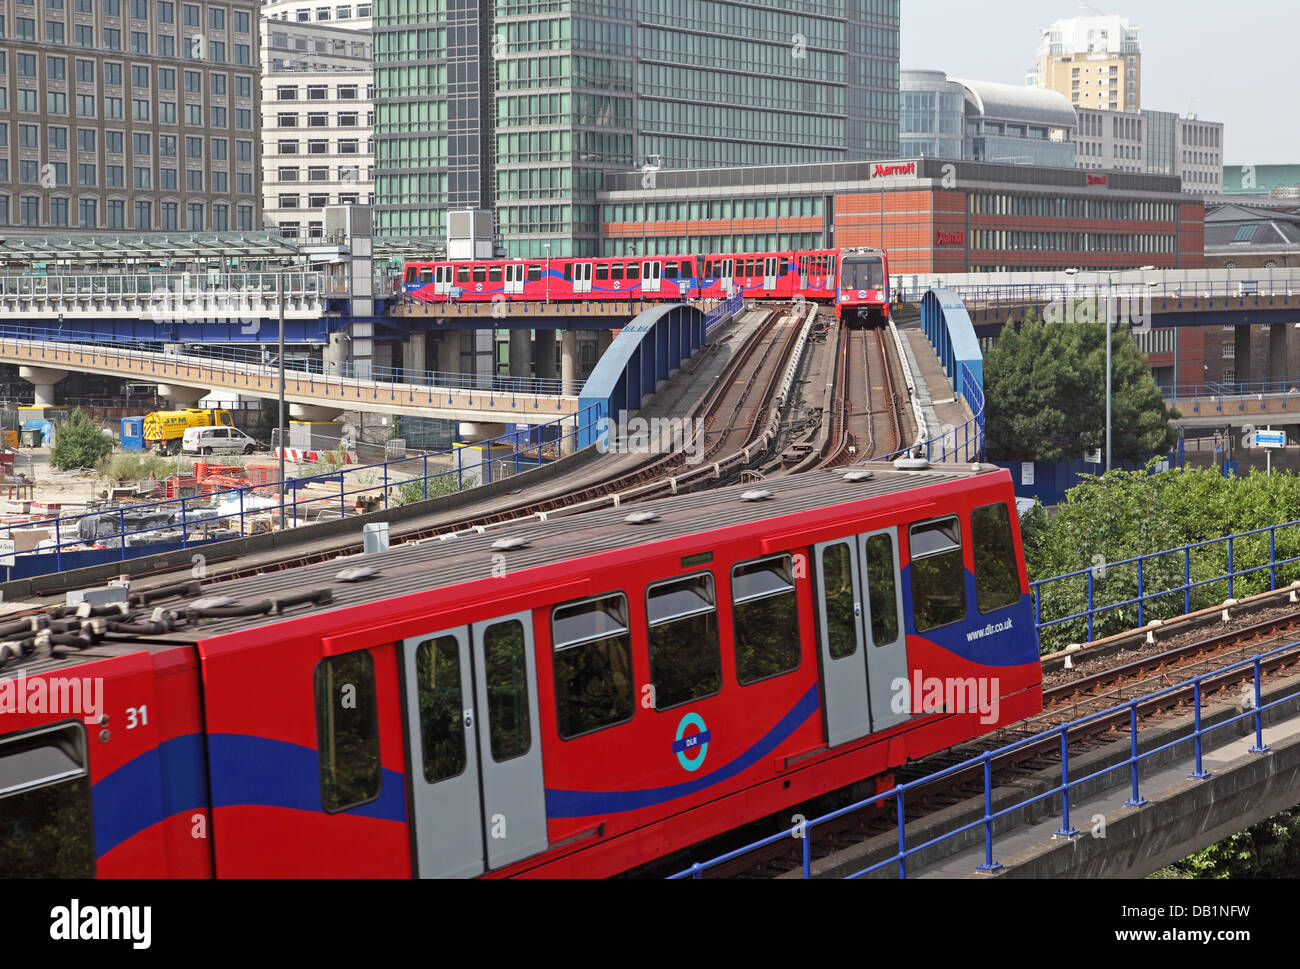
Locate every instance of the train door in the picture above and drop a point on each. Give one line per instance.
(478, 800)
(651, 276)
(803, 271)
(843, 656)
(582, 277)
(514, 278)
(769, 275)
(725, 275)
(886, 644)
(442, 280)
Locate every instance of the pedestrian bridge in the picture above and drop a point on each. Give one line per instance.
(186, 377)
(1160, 297)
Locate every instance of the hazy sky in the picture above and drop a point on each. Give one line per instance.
(1228, 61)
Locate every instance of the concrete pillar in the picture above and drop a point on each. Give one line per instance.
(1277, 340)
(413, 353)
(544, 354)
(449, 352)
(475, 431)
(44, 379)
(337, 354)
(1241, 353)
(316, 413)
(521, 353)
(603, 339)
(569, 361)
(484, 347)
(182, 396)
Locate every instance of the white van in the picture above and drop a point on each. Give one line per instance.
(217, 440)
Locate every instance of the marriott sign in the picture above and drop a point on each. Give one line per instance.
(888, 171)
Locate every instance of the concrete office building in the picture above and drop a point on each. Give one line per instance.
(317, 121)
(1095, 62)
(930, 214)
(347, 14)
(522, 109)
(129, 114)
(1113, 141)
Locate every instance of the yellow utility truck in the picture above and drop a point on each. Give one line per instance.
(165, 429)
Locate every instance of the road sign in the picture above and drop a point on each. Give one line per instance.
(6, 551)
(1270, 439)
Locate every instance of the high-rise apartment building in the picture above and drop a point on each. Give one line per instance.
(1096, 62)
(521, 107)
(317, 114)
(129, 114)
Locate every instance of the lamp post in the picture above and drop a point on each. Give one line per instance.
(1110, 324)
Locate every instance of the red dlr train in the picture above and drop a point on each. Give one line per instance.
(858, 290)
(578, 696)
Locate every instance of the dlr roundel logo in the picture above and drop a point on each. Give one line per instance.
(691, 745)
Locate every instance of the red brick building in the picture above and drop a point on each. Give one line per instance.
(932, 215)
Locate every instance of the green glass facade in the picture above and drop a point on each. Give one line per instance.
(557, 92)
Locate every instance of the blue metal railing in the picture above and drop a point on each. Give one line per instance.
(1240, 390)
(1016, 293)
(265, 362)
(1136, 593)
(964, 442)
(1060, 791)
(728, 307)
(186, 517)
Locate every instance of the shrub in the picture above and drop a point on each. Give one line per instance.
(79, 443)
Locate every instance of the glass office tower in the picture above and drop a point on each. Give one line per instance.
(520, 106)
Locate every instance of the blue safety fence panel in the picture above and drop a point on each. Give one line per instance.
(649, 350)
(948, 327)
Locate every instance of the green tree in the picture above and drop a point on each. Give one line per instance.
(79, 443)
(1045, 385)
(1126, 514)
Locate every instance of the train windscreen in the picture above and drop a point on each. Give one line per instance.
(866, 273)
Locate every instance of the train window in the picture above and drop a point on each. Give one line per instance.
(347, 731)
(882, 589)
(480, 274)
(593, 664)
(426, 276)
(685, 658)
(841, 621)
(997, 576)
(633, 270)
(534, 273)
(938, 576)
(688, 269)
(602, 270)
(568, 272)
(509, 727)
(708, 268)
(494, 274)
(670, 270)
(45, 820)
(462, 274)
(616, 271)
(765, 619)
(442, 735)
(410, 274)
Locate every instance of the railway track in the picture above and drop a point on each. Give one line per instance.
(867, 410)
(1113, 686)
(739, 424)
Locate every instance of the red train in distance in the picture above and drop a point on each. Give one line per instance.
(814, 275)
(577, 697)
